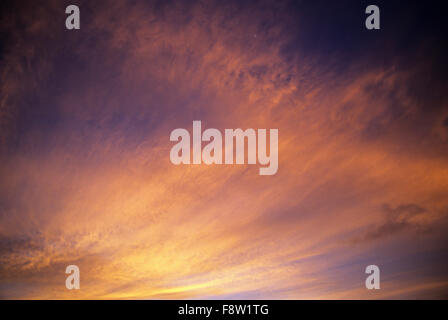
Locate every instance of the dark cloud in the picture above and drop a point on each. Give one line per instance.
(9, 245)
(21, 245)
(397, 220)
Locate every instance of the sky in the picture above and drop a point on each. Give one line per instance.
(85, 171)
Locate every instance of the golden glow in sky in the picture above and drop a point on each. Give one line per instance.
(86, 176)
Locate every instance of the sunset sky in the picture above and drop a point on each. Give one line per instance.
(85, 171)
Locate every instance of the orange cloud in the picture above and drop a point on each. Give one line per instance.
(96, 188)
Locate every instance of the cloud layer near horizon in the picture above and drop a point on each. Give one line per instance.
(86, 177)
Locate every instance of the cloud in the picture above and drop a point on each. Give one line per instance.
(401, 219)
(86, 176)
